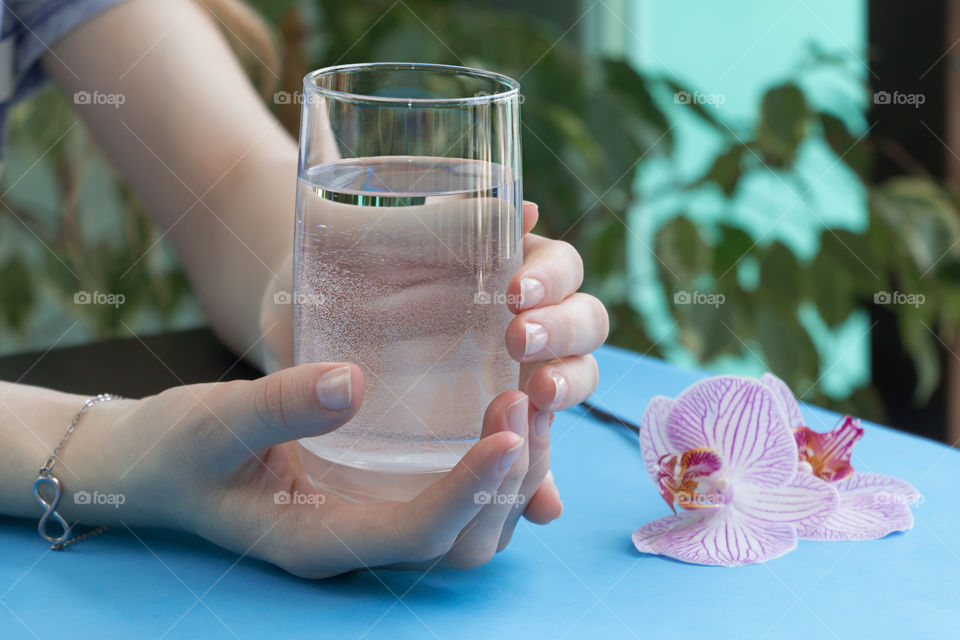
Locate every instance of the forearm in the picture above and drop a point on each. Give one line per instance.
(211, 164)
(32, 422)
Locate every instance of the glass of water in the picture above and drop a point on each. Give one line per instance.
(409, 207)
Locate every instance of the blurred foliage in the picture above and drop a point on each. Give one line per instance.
(907, 259)
(587, 122)
(69, 227)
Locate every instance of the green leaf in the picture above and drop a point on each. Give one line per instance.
(922, 219)
(851, 149)
(832, 289)
(732, 246)
(726, 170)
(920, 343)
(780, 277)
(16, 293)
(681, 252)
(787, 349)
(783, 119)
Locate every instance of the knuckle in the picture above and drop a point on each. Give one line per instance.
(574, 257)
(269, 400)
(600, 317)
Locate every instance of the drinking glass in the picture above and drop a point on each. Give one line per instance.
(408, 229)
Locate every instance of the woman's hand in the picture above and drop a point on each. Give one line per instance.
(219, 460)
(555, 331)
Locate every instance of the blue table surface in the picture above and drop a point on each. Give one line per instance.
(578, 577)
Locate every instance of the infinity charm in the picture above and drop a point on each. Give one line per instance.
(51, 509)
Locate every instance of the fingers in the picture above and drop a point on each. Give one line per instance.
(318, 543)
(551, 271)
(545, 505)
(531, 213)
(576, 326)
(537, 469)
(560, 384)
(510, 411)
(308, 400)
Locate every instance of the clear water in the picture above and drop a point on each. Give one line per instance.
(401, 267)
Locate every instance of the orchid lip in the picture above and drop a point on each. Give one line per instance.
(695, 483)
(828, 454)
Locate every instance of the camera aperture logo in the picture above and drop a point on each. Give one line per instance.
(96, 498)
(99, 297)
(487, 497)
(912, 99)
(712, 99)
(304, 298)
(97, 98)
(285, 97)
(698, 297)
(312, 499)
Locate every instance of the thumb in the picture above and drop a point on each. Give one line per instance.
(299, 402)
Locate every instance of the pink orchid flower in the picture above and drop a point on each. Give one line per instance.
(724, 452)
(871, 505)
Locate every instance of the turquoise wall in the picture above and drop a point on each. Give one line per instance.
(730, 52)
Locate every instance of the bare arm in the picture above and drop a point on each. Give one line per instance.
(214, 168)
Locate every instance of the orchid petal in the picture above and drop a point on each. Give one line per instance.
(871, 506)
(653, 440)
(806, 500)
(740, 419)
(723, 537)
(785, 396)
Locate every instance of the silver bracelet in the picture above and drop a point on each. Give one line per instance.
(65, 538)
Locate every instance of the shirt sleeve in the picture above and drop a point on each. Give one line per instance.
(29, 29)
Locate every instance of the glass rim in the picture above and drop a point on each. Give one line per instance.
(512, 86)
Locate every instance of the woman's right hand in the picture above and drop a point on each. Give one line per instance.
(212, 459)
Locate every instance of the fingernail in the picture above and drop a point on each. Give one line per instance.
(541, 423)
(559, 389)
(333, 388)
(531, 292)
(517, 415)
(536, 338)
(506, 461)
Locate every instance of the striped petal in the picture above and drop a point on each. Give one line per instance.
(724, 537)
(741, 420)
(785, 397)
(871, 506)
(653, 440)
(805, 501)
